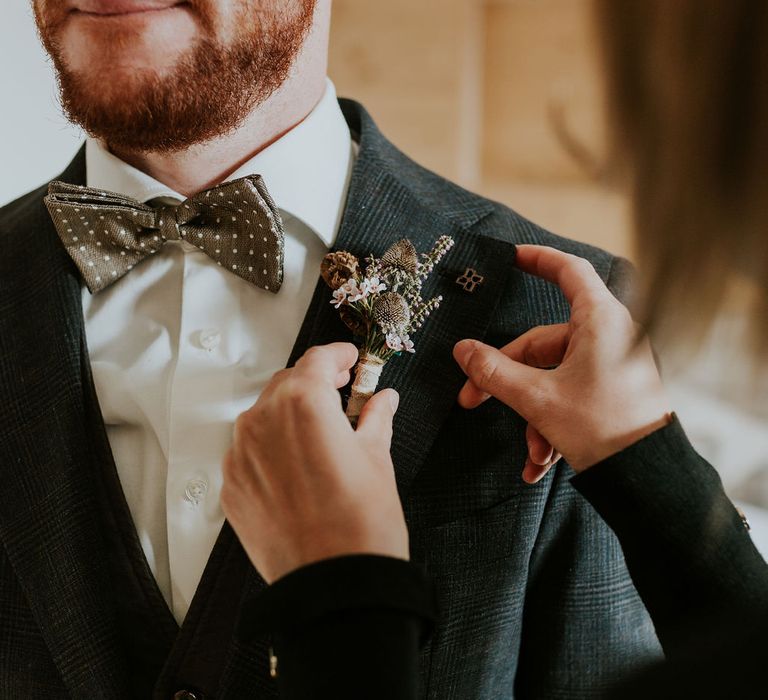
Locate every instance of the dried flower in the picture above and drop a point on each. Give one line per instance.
(401, 256)
(353, 320)
(338, 267)
(423, 311)
(391, 312)
(399, 342)
(355, 292)
(373, 285)
(339, 297)
(381, 307)
(441, 247)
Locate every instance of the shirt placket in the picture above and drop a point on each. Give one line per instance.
(200, 424)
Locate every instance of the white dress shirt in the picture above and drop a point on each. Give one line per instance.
(180, 347)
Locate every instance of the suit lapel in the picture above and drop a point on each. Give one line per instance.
(382, 208)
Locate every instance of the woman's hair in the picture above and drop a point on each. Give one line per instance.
(687, 102)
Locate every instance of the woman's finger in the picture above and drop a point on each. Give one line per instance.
(327, 362)
(342, 378)
(539, 450)
(492, 372)
(575, 276)
(541, 347)
(532, 473)
(471, 397)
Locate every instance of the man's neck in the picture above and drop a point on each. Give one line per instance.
(205, 165)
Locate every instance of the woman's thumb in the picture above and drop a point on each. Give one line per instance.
(375, 422)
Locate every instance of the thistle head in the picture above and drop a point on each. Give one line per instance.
(391, 312)
(401, 256)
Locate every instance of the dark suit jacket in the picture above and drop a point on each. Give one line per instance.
(530, 581)
(687, 548)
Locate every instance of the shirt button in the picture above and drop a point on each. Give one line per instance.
(209, 338)
(195, 491)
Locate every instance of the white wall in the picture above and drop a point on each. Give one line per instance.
(36, 142)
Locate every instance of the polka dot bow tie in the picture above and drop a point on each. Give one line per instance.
(237, 224)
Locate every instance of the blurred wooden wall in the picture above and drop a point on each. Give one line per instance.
(482, 91)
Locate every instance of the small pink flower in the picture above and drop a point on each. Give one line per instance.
(339, 297)
(399, 343)
(394, 342)
(375, 285)
(354, 292)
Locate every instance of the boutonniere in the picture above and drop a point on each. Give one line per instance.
(382, 306)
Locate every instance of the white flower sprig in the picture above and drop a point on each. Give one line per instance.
(382, 307)
(352, 291)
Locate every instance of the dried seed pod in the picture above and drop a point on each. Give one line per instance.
(338, 267)
(353, 320)
(401, 256)
(391, 311)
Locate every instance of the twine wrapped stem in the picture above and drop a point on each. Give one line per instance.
(367, 375)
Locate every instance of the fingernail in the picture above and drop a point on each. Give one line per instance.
(462, 350)
(394, 400)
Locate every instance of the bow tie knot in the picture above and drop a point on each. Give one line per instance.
(170, 220)
(236, 224)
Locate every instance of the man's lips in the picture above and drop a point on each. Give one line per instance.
(111, 8)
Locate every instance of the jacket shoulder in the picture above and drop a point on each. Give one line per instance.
(487, 217)
(18, 211)
(30, 249)
(466, 209)
(22, 229)
(509, 225)
(482, 216)
(27, 216)
(543, 302)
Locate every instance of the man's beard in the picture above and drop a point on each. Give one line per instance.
(208, 93)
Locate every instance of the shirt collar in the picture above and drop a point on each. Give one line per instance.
(307, 171)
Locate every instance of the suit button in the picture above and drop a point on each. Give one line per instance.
(186, 695)
(744, 520)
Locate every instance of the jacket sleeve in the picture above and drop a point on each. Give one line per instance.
(346, 628)
(687, 547)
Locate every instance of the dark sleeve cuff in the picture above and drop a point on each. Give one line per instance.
(663, 480)
(346, 628)
(341, 584)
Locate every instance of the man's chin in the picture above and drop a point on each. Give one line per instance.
(116, 45)
(165, 80)
(140, 111)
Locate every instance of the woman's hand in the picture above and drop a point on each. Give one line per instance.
(586, 388)
(300, 484)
